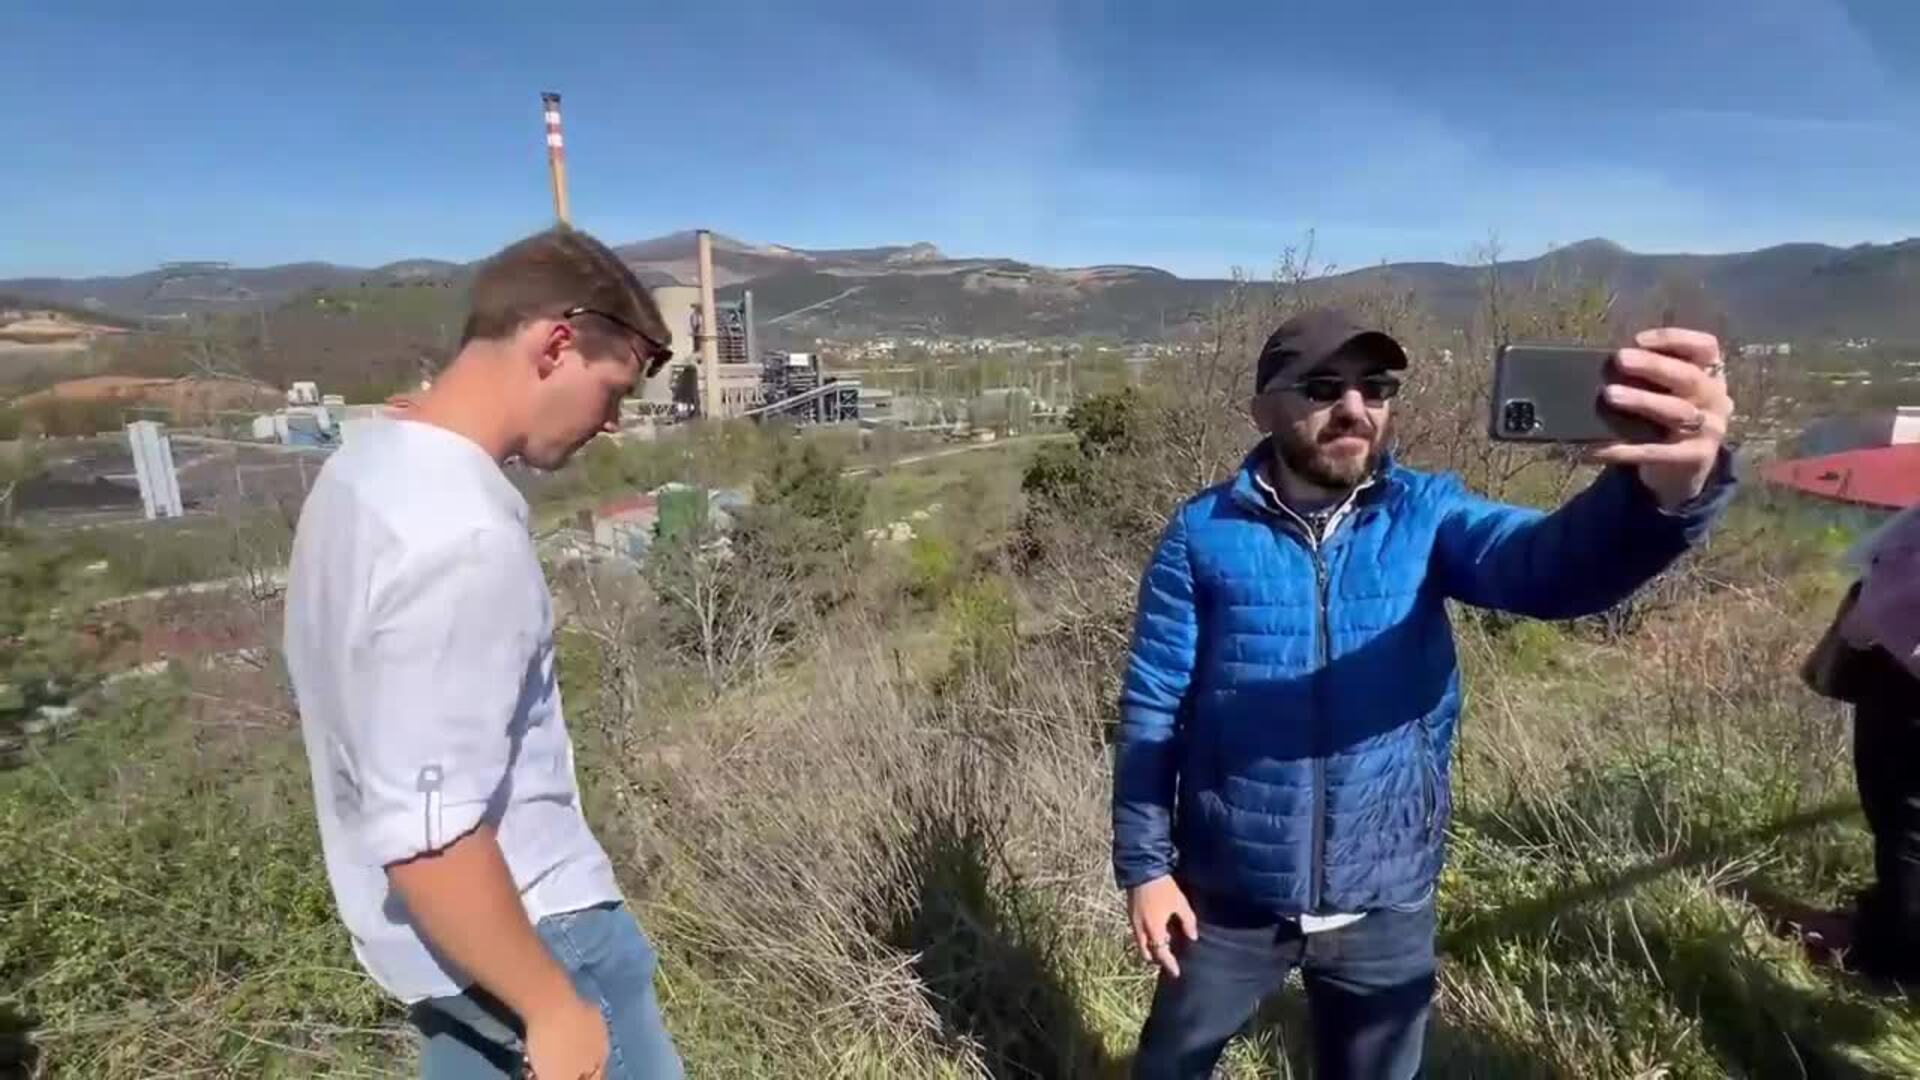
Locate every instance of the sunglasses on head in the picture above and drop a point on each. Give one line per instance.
(658, 353)
(1325, 389)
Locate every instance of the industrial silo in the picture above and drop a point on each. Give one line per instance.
(677, 303)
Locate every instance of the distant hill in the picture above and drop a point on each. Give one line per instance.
(204, 287)
(1792, 291)
(1789, 292)
(672, 259)
(975, 298)
(14, 308)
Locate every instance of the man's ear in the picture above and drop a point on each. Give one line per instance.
(553, 341)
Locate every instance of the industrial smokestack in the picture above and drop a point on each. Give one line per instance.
(709, 331)
(556, 155)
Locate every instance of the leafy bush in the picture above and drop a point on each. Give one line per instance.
(1107, 423)
(52, 649)
(733, 602)
(986, 630)
(166, 913)
(808, 489)
(1060, 475)
(933, 568)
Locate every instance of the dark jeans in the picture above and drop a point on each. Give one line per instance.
(1886, 763)
(1369, 990)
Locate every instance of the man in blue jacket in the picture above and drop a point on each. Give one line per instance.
(1281, 776)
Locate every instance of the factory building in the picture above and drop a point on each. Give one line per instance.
(627, 528)
(735, 347)
(679, 307)
(793, 386)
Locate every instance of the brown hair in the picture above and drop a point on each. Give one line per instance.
(547, 273)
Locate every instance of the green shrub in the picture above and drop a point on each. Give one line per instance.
(808, 487)
(985, 628)
(1530, 646)
(52, 649)
(166, 913)
(933, 568)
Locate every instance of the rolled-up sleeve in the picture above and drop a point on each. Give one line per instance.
(434, 710)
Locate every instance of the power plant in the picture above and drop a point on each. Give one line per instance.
(729, 371)
(719, 341)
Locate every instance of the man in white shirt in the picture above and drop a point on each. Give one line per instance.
(419, 638)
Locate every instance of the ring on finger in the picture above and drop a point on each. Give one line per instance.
(1694, 424)
(1716, 369)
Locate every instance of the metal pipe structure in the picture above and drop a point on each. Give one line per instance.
(556, 155)
(709, 331)
(746, 324)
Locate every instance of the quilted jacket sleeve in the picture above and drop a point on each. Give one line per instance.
(1583, 558)
(1159, 671)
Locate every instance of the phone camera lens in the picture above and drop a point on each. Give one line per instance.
(1520, 418)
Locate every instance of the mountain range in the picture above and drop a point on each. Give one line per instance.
(1791, 291)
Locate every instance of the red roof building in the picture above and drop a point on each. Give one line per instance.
(629, 508)
(1887, 477)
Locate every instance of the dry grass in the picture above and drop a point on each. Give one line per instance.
(839, 835)
(888, 857)
(893, 860)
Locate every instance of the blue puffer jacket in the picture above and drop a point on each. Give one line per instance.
(1288, 714)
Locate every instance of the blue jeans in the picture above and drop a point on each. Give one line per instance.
(1369, 990)
(472, 1036)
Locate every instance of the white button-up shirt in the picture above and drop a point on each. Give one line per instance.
(419, 637)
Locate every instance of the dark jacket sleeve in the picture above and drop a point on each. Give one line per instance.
(1159, 672)
(1583, 558)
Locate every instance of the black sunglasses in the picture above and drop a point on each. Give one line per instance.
(1327, 389)
(659, 352)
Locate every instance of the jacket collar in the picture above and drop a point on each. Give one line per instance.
(1245, 487)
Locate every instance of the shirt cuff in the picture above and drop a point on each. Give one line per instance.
(1713, 494)
(431, 820)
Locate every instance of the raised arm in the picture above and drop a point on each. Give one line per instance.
(1582, 559)
(1653, 502)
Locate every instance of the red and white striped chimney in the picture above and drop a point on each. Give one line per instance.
(556, 154)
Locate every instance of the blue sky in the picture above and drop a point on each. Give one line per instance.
(1192, 135)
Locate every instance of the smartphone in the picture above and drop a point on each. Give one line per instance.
(1552, 394)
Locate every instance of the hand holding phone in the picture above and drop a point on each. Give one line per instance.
(1557, 394)
(1659, 406)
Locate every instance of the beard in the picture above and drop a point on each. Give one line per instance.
(1312, 460)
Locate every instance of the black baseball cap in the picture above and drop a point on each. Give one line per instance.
(1311, 337)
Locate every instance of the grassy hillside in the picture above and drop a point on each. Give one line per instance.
(864, 811)
(826, 858)
(352, 339)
